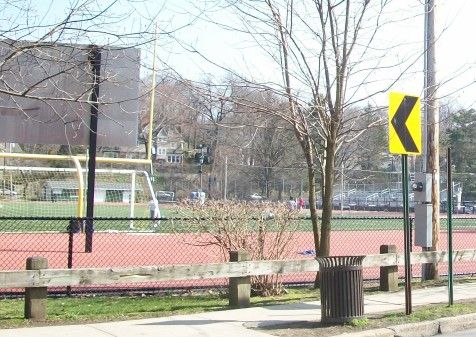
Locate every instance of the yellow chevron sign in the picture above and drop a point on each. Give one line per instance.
(404, 124)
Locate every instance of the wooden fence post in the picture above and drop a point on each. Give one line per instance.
(388, 275)
(35, 297)
(239, 287)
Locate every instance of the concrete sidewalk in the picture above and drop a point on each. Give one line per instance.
(234, 323)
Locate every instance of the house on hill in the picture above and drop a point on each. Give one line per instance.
(169, 147)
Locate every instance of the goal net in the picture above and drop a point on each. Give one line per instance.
(56, 192)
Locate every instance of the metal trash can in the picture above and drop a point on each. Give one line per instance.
(341, 288)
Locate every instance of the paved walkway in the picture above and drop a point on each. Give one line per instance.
(234, 323)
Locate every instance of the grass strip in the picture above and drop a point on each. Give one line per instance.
(100, 309)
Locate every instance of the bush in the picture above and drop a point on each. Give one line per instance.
(264, 230)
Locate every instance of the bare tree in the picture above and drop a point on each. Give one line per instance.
(267, 141)
(313, 43)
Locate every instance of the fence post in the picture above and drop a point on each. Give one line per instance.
(35, 297)
(73, 227)
(388, 275)
(239, 287)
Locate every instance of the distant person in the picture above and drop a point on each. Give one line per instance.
(301, 203)
(201, 198)
(153, 212)
(291, 204)
(267, 214)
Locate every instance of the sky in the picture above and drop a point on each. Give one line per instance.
(196, 48)
(455, 54)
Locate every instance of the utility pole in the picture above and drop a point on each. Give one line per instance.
(225, 184)
(342, 188)
(431, 131)
(283, 191)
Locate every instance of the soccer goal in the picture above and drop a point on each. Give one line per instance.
(61, 192)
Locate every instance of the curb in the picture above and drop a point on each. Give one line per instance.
(463, 322)
(383, 332)
(422, 329)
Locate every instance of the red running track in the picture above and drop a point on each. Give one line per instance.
(139, 249)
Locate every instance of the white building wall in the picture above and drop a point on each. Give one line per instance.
(99, 195)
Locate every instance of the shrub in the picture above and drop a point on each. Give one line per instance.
(262, 229)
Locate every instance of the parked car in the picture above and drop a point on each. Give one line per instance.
(198, 196)
(255, 197)
(165, 195)
(5, 192)
(470, 209)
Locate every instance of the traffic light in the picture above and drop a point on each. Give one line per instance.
(199, 158)
(203, 155)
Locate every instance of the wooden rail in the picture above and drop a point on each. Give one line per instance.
(111, 276)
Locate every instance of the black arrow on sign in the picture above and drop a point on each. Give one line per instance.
(399, 123)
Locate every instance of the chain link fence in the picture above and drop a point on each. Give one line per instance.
(125, 242)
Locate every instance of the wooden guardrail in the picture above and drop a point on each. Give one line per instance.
(36, 281)
(113, 275)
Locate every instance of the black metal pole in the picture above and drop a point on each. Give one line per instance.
(71, 230)
(94, 58)
(449, 214)
(407, 237)
(71, 227)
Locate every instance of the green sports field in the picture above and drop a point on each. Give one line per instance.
(67, 209)
(120, 210)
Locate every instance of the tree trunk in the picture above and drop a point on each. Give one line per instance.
(306, 145)
(311, 172)
(324, 249)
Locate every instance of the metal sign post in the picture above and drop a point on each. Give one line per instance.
(404, 137)
(407, 234)
(449, 213)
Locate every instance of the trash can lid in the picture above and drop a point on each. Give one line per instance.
(336, 261)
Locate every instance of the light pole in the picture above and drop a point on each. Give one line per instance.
(342, 188)
(4, 164)
(201, 159)
(225, 184)
(200, 171)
